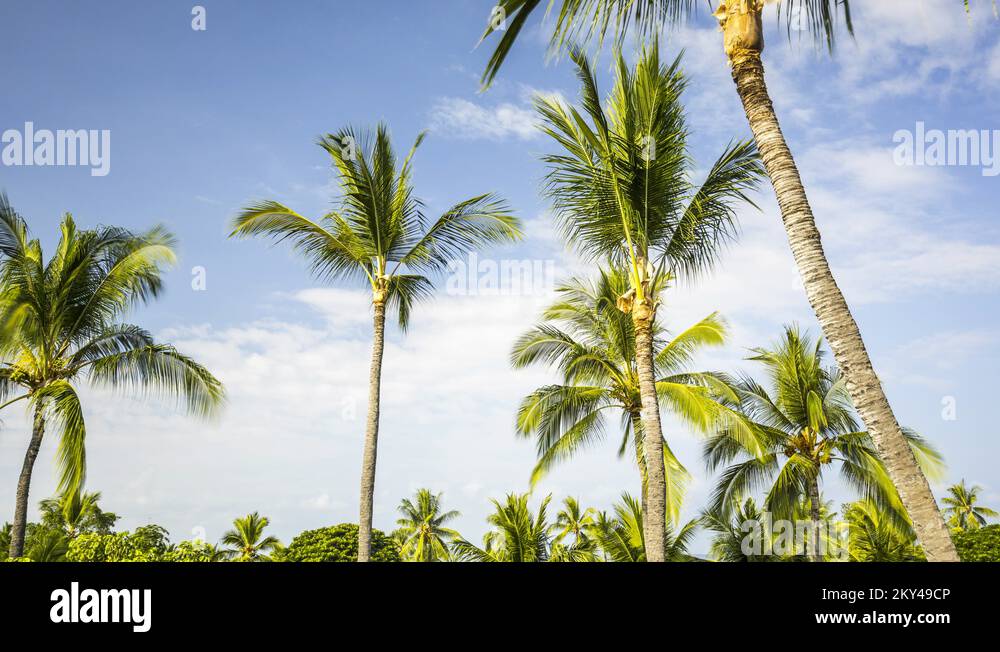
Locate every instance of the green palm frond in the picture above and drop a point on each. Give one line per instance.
(61, 404)
(580, 22)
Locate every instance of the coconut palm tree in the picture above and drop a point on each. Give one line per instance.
(622, 193)
(572, 521)
(246, 541)
(622, 537)
(422, 535)
(517, 535)
(731, 529)
(583, 20)
(59, 325)
(77, 513)
(591, 342)
(379, 234)
(962, 510)
(804, 423)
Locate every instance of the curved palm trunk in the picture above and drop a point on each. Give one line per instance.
(655, 493)
(741, 21)
(371, 435)
(23, 484)
(817, 554)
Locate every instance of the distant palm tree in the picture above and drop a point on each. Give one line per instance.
(804, 423)
(622, 537)
(591, 342)
(76, 513)
(622, 191)
(379, 233)
(573, 521)
(48, 545)
(422, 534)
(962, 510)
(581, 21)
(517, 535)
(59, 325)
(246, 541)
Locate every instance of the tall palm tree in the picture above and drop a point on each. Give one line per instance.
(517, 535)
(804, 423)
(622, 193)
(592, 343)
(422, 534)
(583, 20)
(379, 234)
(962, 510)
(622, 538)
(76, 513)
(59, 324)
(246, 541)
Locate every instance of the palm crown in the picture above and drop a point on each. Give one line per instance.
(59, 323)
(804, 422)
(517, 535)
(379, 232)
(422, 532)
(246, 541)
(621, 187)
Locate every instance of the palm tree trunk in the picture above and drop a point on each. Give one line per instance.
(743, 43)
(371, 435)
(814, 504)
(655, 494)
(23, 484)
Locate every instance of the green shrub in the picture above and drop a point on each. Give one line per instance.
(979, 545)
(190, 551)
(146, 543)
(337, 543)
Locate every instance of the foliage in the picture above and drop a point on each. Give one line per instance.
(144, 544)
(77, 513)
(338, 543)
(422, 535)
(874, 537)
(192, 551)
(982, 544)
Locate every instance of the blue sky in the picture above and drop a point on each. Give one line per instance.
(203, 122)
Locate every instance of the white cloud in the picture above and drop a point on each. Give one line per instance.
(460, 118)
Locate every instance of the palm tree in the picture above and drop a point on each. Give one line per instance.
(873, 537)
(804, 423)
(592, 343)
(743, 40)
(573, 521)
(622, 538)
(517, 535)
(59, 325)
(962, 510)
(246, 540)
(76, 513)
(622, 193)
(379, 233)
(422, 535)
